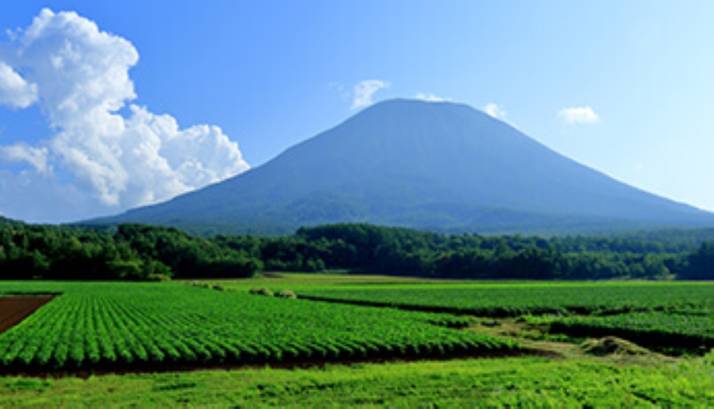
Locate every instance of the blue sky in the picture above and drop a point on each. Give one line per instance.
(636, 76)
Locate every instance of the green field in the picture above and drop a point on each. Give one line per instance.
(685, 330)
(254, 351)
(121, 326)
(487, 383)
(517, 298)
(661, 315)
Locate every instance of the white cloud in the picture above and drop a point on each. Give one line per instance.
(15, 92)
(578, 115)
(36, 157)
(364, 92)
(494, 110)
(428, 97)
(80, 77)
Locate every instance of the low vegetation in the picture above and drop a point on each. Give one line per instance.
(111, 326)
(685, 331)
(91, 328)
(487, 383)
(514, 299)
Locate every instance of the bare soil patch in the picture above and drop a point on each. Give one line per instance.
(15, 308)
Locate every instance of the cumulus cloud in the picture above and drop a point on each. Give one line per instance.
(79, 76)
(494, 110)
(15, 92)
(364, 91)
(578, 115)
(428, 97)
(36, 157)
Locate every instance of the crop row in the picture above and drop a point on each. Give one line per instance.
(114, 325)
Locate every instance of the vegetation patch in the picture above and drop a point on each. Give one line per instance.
(516, 299)
(673, 333)
(286, 294)
(490, 383)
(262, 291)
(673, 318)
(612, 346)
(144, 326)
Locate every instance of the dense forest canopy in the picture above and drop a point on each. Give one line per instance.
(140, 252)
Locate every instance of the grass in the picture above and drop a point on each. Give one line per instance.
(302, 281)
(512, 382)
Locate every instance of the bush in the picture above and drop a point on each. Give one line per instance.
(127, 269)
(286, 294)
(262, 291)
(157, 277)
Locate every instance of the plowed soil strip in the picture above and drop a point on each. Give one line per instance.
(15, 308)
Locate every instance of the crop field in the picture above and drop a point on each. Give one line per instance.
(514, 299)
(686, 330)
(662, 316)
(141, 343)
(125, 326)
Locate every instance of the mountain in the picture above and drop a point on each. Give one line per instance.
(433, 166)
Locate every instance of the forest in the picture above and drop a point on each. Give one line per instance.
(140, 252)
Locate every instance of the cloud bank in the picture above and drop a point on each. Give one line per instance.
(429, 97)
(494, 110)
(111, 154)
(364, 92)
(578, 115)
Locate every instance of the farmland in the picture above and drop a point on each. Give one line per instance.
(513, 299)
(654, 329)
(112, 326)
(663, 316)
(509, 343)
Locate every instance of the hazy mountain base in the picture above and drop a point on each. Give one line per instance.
(438, 217)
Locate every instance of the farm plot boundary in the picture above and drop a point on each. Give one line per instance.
(486, 312)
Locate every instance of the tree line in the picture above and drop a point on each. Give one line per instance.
(140, 252)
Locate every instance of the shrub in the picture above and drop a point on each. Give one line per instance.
(286, 294)
(261, 291)
(157, 277)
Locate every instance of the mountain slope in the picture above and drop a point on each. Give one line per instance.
(438, 166)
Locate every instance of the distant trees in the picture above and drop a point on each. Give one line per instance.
(187, 256)
(387, 250)
(700, 265)
(129, 252)
(138, 252)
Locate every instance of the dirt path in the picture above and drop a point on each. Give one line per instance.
(535, 339)
(527, 336)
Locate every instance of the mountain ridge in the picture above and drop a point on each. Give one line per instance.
(434, 166)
